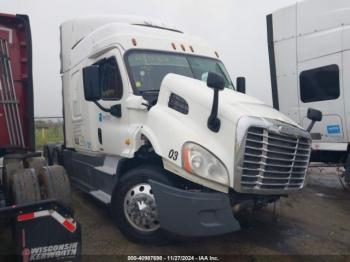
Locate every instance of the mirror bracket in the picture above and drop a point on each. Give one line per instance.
(115, 110)
(104, 109)
(214, 124)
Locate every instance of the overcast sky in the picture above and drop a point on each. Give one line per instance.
(236, 28)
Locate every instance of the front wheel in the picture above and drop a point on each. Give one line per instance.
(134, 207)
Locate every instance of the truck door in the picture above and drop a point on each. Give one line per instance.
(111, 131)
(321, 87)
(98, 135)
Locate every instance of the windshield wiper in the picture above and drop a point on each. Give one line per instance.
(149, 91)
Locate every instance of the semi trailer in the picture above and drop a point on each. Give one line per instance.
(34, 197)
(155, 128)
(309, 60)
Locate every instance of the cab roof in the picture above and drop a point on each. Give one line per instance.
(87, 36)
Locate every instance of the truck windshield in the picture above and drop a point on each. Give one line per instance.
(148, 68)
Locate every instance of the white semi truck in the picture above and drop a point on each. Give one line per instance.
(155, 128)
(309, 45)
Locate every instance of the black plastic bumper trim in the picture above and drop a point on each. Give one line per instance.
(193, 213)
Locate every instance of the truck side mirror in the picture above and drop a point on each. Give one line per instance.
(315, 116)
(217, 83)
(240, 84)
(91, 81)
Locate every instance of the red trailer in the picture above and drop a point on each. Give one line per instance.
(34, 197)
(16, 94)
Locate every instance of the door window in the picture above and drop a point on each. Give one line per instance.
(320, 84)
(110, 79)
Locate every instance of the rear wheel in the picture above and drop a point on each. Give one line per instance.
(35, 162)
(55, 184)
(10, 168)
(4, 221)
(47, 153)
(25, 187)
(56, 157)
(134, 208)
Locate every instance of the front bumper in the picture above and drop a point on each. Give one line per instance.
(193, 213)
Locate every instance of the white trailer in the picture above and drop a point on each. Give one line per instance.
(309, 48)
(155, 128)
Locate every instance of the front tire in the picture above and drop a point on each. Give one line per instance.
(133, 206)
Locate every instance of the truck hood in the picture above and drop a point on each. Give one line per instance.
(181, 116)
(232, 104)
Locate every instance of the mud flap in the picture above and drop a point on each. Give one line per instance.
(193, 213)
(47, 236)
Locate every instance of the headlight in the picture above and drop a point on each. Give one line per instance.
(199, 161)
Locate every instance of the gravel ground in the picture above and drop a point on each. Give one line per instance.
(314, 221)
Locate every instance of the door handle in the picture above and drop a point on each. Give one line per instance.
(99, 134)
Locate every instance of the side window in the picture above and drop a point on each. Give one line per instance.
(320, 84)
(110, 79)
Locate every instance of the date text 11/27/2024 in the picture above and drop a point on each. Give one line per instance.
(173, 258)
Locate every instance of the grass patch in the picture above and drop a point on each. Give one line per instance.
(48, 132)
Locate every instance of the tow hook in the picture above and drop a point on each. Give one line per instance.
(242, 206)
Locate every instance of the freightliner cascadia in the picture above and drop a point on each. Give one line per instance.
(156, 129)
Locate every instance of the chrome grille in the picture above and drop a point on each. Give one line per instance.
(274, 161)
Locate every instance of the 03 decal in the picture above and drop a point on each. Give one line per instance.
(173, 154)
